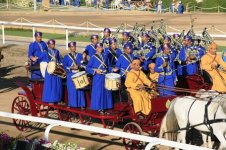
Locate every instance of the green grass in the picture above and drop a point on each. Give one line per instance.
(29, 33)
(221, 48)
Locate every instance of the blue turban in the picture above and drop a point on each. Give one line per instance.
(107, 30)
(38, 34)
(72, 44)
(94, 36)
(125, 33)
(187, 37)
(52, 41)
(128, 45)
(145, 34)
(99, 45)
(113, 40)
(167, 38)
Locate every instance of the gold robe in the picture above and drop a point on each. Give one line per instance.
(219, 84)
(154, 76)
(141, 99)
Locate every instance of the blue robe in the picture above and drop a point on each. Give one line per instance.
(94, 3)
(180, 9)
(167, 75)
(188, 68)
(53, 90)
(123, 64)
(112, 57)
(107, 4)
(172, 8)
(52, 2)
(105, 40)
(224, 57)
(36, 49)
(101, 98)
(90, 50)
(150, 52)
(62, 2)
(76, 98)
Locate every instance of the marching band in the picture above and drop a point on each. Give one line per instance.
(134, 68)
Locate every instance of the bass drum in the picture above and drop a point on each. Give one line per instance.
(207, 78)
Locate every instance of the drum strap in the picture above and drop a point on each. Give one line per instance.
(127, 58)
(40, 46)
(51, 56)
(73, 58)
(101, 60)
(113, 54)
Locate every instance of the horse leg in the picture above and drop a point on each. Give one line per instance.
(181, 137)
(220, 136)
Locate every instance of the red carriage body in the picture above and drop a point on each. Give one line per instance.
(29, 102)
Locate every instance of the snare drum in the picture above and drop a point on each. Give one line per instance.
(43, 66)
(56, 69)
(112, 81)
(80, 80)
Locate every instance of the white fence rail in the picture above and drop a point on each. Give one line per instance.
(153, 141)
(72, 28)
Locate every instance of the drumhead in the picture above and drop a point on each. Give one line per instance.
(112, 76)
(78, 74)
(51, 67)
(43, 66)
(207, 77)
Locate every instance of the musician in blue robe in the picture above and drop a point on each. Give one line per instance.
(52, 2)
(62, 2)
(147, 51)
(188, 57)
(173, 51)
(35, 54)
(180, 9)
(124, 61)
(106, 38)
(72, 63)
(101, 98)
(167, 76)
(53, 90)
(90, 49)
(112, 54)
(197, 45)
(125, 38)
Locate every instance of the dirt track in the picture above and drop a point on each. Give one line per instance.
(12, 69)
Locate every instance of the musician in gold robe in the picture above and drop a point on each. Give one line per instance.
(135, 83)
(154, 76)
(214, 65)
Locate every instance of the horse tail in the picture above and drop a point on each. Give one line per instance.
(169, 124)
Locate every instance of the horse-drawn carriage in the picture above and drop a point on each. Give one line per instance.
(28, 102)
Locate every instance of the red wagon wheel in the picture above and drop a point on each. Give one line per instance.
(63, 115)
(21, 106)
(129, 144)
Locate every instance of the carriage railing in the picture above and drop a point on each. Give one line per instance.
(153, 141)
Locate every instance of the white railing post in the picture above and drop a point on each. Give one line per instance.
(33, 31)
(151, 145)
(35, 5)
(49, 127)
(218, 9)
(3, 34)
(7, 4)
(66, 39)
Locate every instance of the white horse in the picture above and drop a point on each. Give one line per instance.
(190, 110)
